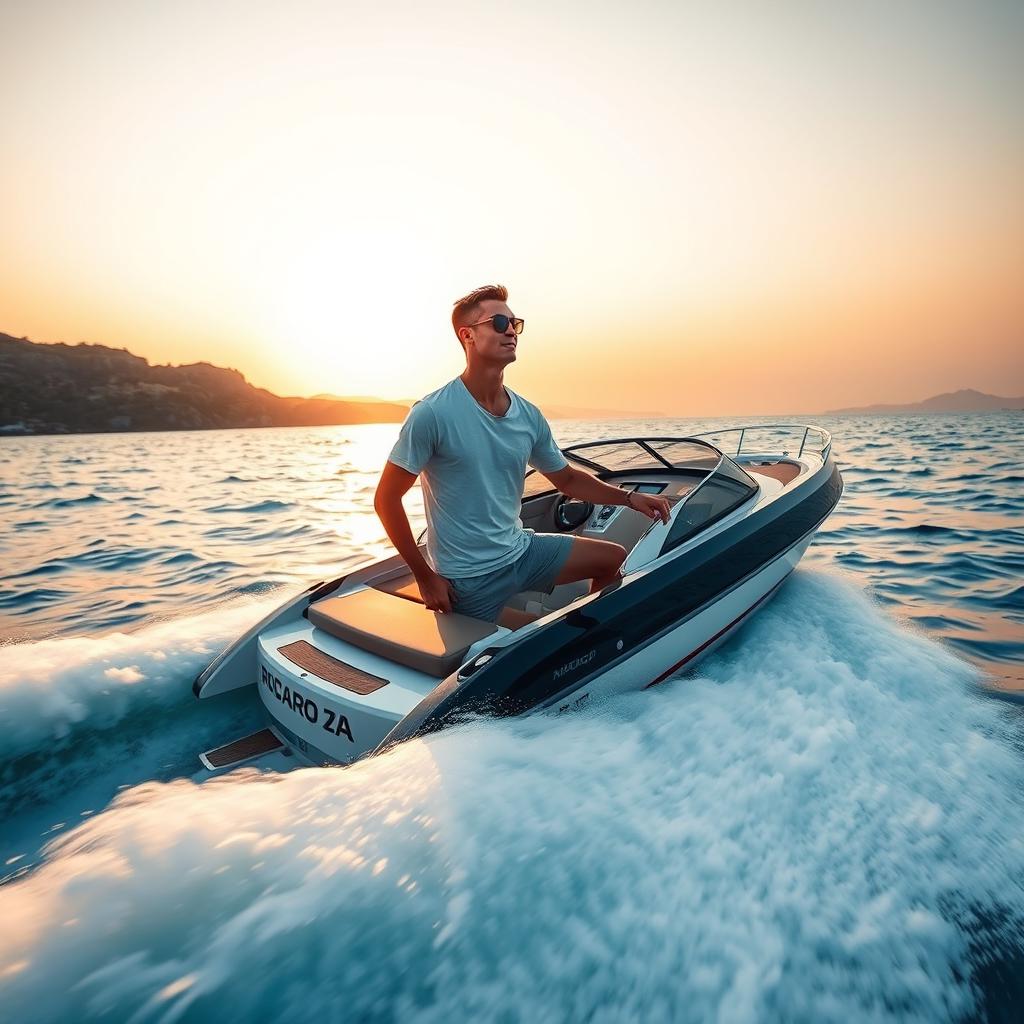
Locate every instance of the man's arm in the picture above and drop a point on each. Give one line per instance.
(577, 484)
(387, 503)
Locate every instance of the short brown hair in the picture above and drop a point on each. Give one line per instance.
(467, 308)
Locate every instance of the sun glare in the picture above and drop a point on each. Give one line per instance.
(358, 312)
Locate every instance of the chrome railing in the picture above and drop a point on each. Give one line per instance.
(804, 437)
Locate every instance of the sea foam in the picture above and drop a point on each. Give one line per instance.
(49, 689)
(824, 823)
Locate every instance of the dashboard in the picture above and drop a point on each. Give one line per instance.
(619, 522)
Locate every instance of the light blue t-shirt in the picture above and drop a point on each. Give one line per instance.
(471, 465)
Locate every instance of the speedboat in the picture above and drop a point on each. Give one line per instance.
(353, 665)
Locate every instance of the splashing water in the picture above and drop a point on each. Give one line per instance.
(824, 822)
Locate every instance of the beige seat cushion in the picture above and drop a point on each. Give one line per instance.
(400, 630)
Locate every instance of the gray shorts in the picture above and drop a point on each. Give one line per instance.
(536, 568)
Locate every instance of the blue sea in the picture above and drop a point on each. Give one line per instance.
(824, 821)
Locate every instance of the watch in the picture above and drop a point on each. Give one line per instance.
(629, 500)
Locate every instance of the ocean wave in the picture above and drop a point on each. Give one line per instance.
(51, 689)
(46, 569)
(87, 499)
(259, 507)
(1012, 599)
(35, 598)
(180, 558)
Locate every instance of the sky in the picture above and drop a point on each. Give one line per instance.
(698, 209)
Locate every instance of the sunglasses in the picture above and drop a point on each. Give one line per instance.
(501, 322)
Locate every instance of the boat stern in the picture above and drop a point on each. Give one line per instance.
(330, 700)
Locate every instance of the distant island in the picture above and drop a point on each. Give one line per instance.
(92, 389)
(75, 389)
(966, 400)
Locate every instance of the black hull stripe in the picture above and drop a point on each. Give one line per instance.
(725, 629)
(729, 589)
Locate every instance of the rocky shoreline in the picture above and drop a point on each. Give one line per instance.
(73, 389)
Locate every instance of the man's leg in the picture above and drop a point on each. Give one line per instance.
(597, 560)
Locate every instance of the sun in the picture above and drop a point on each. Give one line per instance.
(359, 312)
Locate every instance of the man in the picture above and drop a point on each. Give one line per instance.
(471, 442)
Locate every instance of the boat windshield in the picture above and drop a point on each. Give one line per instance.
(632, 454)
(718, 494)
(645, 453)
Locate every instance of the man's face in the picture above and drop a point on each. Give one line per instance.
(486, 342)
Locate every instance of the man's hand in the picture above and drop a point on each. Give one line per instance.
(577, 484)
(436, 591)
(650, 505)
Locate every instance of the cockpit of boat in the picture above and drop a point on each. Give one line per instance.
(686, 471)
(701, 483)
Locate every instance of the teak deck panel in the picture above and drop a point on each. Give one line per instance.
(355, 680)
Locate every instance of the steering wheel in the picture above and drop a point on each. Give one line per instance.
(571, 513)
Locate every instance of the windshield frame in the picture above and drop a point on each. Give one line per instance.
(576, 454)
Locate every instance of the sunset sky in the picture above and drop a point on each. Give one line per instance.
(698, 208)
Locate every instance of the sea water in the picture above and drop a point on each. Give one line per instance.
(823, 821)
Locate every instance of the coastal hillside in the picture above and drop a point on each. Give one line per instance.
(69, 389)
(965, 400)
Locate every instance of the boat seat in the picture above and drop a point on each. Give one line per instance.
(400, 630)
